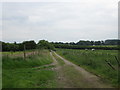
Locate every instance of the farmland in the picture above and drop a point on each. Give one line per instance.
(60, 44)
(95, 62)
(46, 69)
(31, 72)
(42, 65)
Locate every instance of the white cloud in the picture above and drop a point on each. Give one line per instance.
(64, 21)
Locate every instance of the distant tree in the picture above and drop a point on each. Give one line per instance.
(7, 46)
(29, 44)
(92, 42)
(97, 42)
(4, 46)
(112, 42)
(15, 47)
(83, 43)
(42, 44)
(102, 42)
(21, 46)
(72, 43)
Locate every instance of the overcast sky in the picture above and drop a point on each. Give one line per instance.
(60, 20)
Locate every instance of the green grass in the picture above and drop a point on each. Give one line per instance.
(27, 78)
(61, 62)
(20, 73)
(94, 61)
(32, 61)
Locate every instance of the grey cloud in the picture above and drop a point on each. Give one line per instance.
(59, 21)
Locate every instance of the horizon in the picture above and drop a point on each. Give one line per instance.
(59, 41)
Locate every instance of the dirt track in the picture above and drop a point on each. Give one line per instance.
(70, 75)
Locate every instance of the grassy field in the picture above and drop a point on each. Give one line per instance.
(36, 71)
(28, 73)
(95, 62)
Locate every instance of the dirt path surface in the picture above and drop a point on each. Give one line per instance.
(70, 75)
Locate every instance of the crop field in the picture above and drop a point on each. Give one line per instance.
(103, 63)
(31, 72)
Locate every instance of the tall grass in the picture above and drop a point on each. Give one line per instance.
(94, 61)
(22, 73)
(31, 61)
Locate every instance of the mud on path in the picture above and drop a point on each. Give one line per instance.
(70, 75)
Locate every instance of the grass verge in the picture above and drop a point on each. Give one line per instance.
(20, 73)
(94, 61)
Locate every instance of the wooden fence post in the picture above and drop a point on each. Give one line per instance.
(110, 65)
(24, 52)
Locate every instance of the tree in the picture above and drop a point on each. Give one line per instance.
(29, 44)
(83, 43)
(42, 44)
(97, 42)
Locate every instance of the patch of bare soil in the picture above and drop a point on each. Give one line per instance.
(62, 82)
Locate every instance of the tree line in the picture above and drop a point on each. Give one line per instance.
(104, 45)
(43, 44)
(89, 43)
(28, 45)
